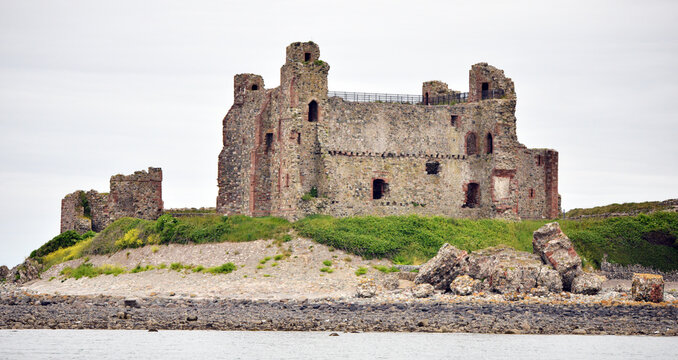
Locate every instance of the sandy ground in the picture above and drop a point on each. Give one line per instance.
(297, 276)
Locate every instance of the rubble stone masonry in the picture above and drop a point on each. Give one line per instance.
(369, 158)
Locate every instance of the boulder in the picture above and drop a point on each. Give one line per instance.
(647, 287)
(555, 249)
(390, 282)
(465, 285)
(366, 289)
(4, 271)
(438, 270)
(25, 272)
(503, 269)
(422, 290)
(588, 284)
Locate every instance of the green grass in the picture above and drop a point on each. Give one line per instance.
(328, 270)
(88, 270)
(414, 239)
(327, 263)
(61, 241)
(643, 207)
(278, 257)
(226, 268)
(140, 268)
(386, 269)
(361, 271)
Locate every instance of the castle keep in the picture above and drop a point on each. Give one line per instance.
(300, 149)
(138, 195)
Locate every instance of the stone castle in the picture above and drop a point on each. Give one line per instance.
(300, 149)
(138, 195)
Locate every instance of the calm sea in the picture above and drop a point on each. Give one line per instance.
(166, 345)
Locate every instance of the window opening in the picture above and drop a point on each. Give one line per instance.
(432, 167)
(379, 188)
(485, 90)
(426, 99)
(269, 141)
(488, 145)
(313, 111)
(531, 193)
(287, 180)
(454, 119)
(299, 138)
(471, 144)
(255, 87)
(472, 195)
(307, 56)
(538, 160)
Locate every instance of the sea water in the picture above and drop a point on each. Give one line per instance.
(166, 345)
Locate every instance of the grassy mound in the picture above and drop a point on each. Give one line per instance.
(641, 207)
(414, 239)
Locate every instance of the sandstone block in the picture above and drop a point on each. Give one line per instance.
(556, 249)
(588, 284)
(438, 270)
(647, 287)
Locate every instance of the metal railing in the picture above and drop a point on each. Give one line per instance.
(449, 99)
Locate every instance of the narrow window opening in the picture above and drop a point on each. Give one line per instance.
(531, 193)
(539, 162)
(471, 144)
(426, 99)
(255, 87)
(299, 138)
(313, 111)
(472, 195)
(379, 188)
(269, 141)
(454, 119)
(287, 180)
(432, 167)
(485, 91)
(489, 147)
(307, 56)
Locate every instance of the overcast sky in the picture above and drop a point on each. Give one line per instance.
(89, 89)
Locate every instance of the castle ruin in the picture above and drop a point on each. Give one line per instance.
(138, 195)
(300, 149)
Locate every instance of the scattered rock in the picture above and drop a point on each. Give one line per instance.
(422, 323)
(422, 290)
(465, 285)
(366, 289)
(439, 270)
(578, 332)
(588, 284)
(4, 271)
(406, 275)
(390, 282)
(25, 272)
(647, 287)
(556, 249)
(152, 330)
(334, 334)
(133, 303)
(192, 318)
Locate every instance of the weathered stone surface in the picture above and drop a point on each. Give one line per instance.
(422, 290)
(438, 271)
(4, 271)
(556, 249)
(503, 269)
(588, 284)
(25, 272)
(137, 195)
(647, 287)
(390, 282)
(366, 289)
(379, 158)
(465, 285)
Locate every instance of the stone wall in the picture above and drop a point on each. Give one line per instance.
(281, 143)
(138, 195)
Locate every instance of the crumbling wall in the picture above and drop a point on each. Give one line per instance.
(138, 195)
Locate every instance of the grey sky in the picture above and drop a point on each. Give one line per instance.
(89, 89)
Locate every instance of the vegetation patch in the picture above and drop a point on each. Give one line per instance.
(61, 241)
(627, 208)
(88, 270)
(226, 268)
(361, 271)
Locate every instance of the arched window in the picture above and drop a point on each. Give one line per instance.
(472, 195)
(471, 144)
(379, 188)
(488, 144)
(255, 87)
(313, 111)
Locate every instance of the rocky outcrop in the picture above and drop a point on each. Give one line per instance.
(25, 272)
(588, 284)
(422, 290)
(465, 285)
(366, 289)
(556, 249)
(440, 270)
(647, 287)
(4, 271)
